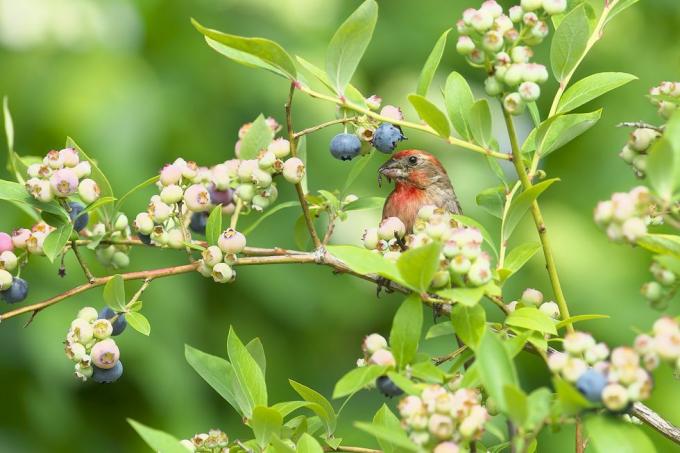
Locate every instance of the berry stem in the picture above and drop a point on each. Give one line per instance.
(318, 127)
(538, 220)
(421, 127)
(88, 274)
(298, 187)
(234, 216)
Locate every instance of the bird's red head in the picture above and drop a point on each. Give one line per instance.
(415, 168)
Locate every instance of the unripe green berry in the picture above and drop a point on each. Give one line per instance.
(532, 296)
(293, 170)
(120, 260)
(245, 192)
(88, 314)
(88, 190)
(5, 280)
(231, 241)
(102, 328)
(652, 291)
(8, 260)
(204, 269)
(223, 273)
(121, 222)
(492, 86)
(212, 255)
(513, 104)
(371, 238)
(531, 5)
(175, 238)
(465, 45)
(144, 223)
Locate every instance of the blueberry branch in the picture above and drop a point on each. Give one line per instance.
(342, 102)
(318, 127)
(298, 187)
(538, 220)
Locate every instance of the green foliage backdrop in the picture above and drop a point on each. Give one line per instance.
(135, 83)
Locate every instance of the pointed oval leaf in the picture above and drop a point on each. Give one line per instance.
(569, 43)
(459, 99)
(217, 372)
(213, 228)
(248, 373)
(479, 121)
(323, 408)
(56, 240)
(258, 137)
(533, 319)
(138, 322)
(431, 65)
(591, 87)
(521, 204)
(469, 323)
(418, 266)
(431, 114)
(356, 379)
(158, 440)
(114, 293)
(495, 367)
(406, 330)
(266, 423)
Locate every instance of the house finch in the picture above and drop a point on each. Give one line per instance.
(420, 180)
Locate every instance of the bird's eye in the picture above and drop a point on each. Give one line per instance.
(413, 160)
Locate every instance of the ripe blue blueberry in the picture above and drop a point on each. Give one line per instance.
(345, 146)
(198, 222)
(80, 222)
(591, 384)
(387, 387)
(108, 376)
(118, 325)
(145, 238)
(386, 137)
(15, 293)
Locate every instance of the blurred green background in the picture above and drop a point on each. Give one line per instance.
(136, 86)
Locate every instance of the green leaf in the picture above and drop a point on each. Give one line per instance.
(469, 323)
(358, 167)
(579, 318)
(480, 122)
(15, 192)
(431, 114)
(520, 205)
(114, 293)
(248, 373)
(136, 188)
(664, 244)
(101, 201)
(496, 368)
(322, 408)
(256, 139)
(671, 263)
(427, 371)
(349, 44)
(468, 297)
(316, 72)
(519, 256)
(492, 200)
(364, 261)
(591, 87)
(356, 379)
(385, 418)
(607, 433)
(470, 222)
(569, 43)
(14, 162)
(300, 234)
(138, 322)
(406, 330)
(439, 330)
(531, 318)
(97, 175)
(269, 212)
(158, 440)
(56, 240)
(213, 228)
(539, 407)
(619, 8)
(417, 266)
(431, 65)
(518, 405)
(459, 99)
(392, 434)
(559, 130)
(571, 400)
(535, 114)
(307, 444)
(663, 168)
(406, 384)
(218, 373)
(365, 203)
(256, 350)
(287, 407)
(265, 423)
(253, 52)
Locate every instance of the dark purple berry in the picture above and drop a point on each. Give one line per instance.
(107, 376)
(591, 384)
(80, 222)
(198, 222)
(387, 387)
(15, 293)
(145, 238)
(223, 197)
(386, 137)
(345, 146)
(118, 325)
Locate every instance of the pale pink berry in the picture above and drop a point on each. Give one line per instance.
(40, 189)
(531, 5)
(8, 260)
(513, 103)
(70, 157)
(373, 102)
(532, 296)
(197, 198)
(553, 7)
(38, 171)
(634, 228)
(83, 169)
(502, 23)
(481, 21)
(604, 212)
(390, 228)
(64, 182)
(102, 328)
(170, 174)
(105, 354)
(573, 369)
(246, 168)
(550, 309)
(6, 244)
(231, 242)
(446, 447)
(534, 72)
(371, 238)
(440, 426)
(492, 41)
(557, 361)
(373, 342)
(144, 223)
(615, 397)
(293, 170)
(280, 147)
(5, 280)
(19, 238)
(223, 273)
(171, 194)
(492, 7)
(34, 244)
(382, 357)
(88, 190)
(516, 13)
(53, 160)
(212, 255)
(392, 112)
(480, 272)
(577, 342)
(465, 45)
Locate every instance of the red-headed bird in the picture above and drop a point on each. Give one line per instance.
(420, 180)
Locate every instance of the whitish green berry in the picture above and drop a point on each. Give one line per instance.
(102, 328)
(212, 255)
(8, 260)
(223, 273)
(88, 314)
(5, 280)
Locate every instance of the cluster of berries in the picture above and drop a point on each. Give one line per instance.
(463, 262)
(214, 441)
(666, 97)
(534, 298)
(90, 346)
(501, 44)
(382, 136)
(61, 175)
(216, 260)
(377, 352)
(614, 380)
(12, 289)
(114, 253)
(635, 151)
(444, 421)
(625, 217)
(662, 345)
(663, 288)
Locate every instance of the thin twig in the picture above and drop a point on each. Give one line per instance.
(81, 261)
(640, 125)
(313, 129)
(352, 449)
(234, 216)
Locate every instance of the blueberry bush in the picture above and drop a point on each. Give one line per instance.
(467, 400)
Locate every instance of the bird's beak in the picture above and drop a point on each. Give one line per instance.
(392, 169)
